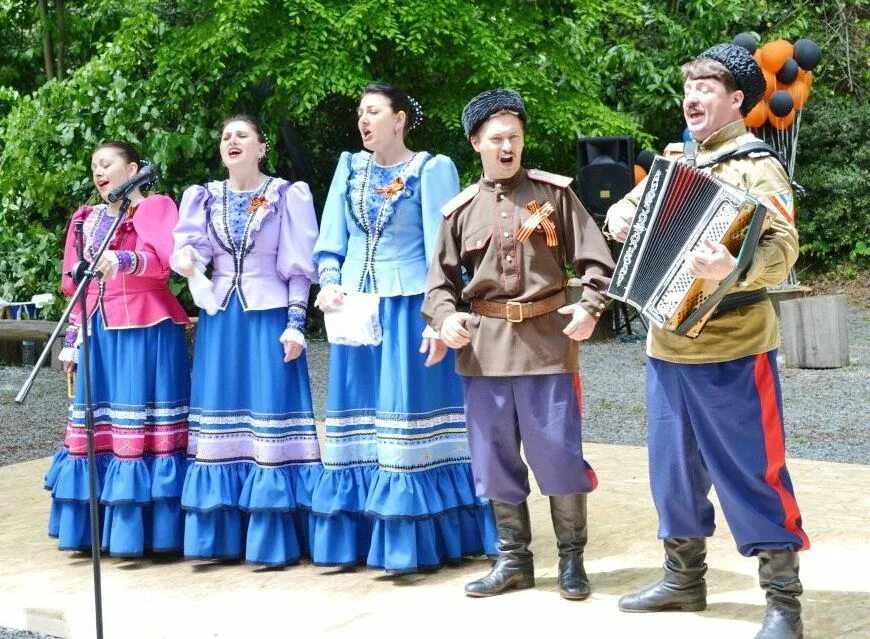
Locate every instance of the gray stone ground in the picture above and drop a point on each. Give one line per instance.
(826, 411)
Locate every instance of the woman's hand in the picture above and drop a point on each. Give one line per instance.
(184, 261)
(292, 350)
(293, 342)
(107, 265)
(329, 298)
(436, 349)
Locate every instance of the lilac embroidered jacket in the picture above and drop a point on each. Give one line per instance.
(273, 265)
(138, 295)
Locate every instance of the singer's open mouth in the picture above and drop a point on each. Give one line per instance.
(101, 184)
(234, 152)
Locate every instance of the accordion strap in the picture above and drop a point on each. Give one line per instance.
(744, 150)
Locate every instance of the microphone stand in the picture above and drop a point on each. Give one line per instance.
(82, 274)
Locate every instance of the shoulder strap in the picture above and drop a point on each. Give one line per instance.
(459, 200)
(550, 178)
(752, 148)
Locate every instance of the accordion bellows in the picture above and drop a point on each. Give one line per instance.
(679, 209)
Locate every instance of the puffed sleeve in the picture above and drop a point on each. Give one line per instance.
(192, 219)
(298, 233)
(331, 247)
(70, 254)
(439, 182)
(156, 217)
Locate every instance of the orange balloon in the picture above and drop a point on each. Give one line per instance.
(639, 173)
(806, 77)
(800, 93)
(774, 54)
(758, 116)
(782, 123)
(769, 82)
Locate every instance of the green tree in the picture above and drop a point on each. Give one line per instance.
(164, 74)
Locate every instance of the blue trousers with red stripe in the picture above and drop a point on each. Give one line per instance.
(543, 413)
(721, 424)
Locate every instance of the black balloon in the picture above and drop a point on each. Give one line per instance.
(781, 103)
(788, 72)
(747, 41)
(645, 159)
(807, 54)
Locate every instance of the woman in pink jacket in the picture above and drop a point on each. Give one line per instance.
(140, 376)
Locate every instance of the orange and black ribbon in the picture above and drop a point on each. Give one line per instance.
(539, 221)
(391, 189)
(256, 202)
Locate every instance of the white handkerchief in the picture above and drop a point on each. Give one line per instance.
(356, 322)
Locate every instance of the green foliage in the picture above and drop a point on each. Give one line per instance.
(163, 74)
(833, 166)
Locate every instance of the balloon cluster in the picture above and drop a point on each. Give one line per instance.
(787, 70)
(788, 75)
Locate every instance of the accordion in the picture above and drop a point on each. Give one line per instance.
(680, 208)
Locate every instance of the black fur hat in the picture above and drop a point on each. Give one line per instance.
(485, 104)
(747, 74)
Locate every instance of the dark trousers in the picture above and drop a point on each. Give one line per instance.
(543, 413)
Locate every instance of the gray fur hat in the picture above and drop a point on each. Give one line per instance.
(484, 105)
(747, 74)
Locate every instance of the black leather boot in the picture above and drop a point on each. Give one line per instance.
(683, 586)
(778, 575)
(514, 567)
(569, 522)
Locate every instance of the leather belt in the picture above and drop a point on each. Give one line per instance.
(516, 312)
(736, 300)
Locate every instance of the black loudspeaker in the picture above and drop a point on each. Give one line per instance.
(605, 172)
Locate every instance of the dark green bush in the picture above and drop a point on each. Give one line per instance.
(833, 165)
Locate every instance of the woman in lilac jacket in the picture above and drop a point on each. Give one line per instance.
(139, 375)
(253, 445)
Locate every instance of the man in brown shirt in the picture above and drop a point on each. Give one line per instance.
(502, 249)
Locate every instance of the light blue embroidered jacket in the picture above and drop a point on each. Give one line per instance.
(393, 257)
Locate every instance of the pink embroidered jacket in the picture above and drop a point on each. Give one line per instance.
(139, 297)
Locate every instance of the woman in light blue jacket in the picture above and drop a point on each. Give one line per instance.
(396, 491)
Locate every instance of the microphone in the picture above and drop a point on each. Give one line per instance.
(146, 175)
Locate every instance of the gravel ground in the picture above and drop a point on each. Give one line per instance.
(826, 411)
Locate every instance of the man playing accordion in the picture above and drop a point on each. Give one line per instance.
(714, 405)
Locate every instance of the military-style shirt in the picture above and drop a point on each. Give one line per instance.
(749, 329)
(478, 257)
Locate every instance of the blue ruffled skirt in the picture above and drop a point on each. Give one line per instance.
(140, 384)
(396, 491)
(253, 446)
